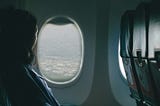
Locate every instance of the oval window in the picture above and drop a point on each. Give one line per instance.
(60, 50)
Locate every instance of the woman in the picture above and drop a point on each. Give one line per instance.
(22, 86)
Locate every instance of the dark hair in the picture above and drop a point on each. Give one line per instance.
(17, 32)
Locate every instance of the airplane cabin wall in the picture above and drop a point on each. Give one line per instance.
(84, 13)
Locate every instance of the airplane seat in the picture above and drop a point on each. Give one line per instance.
(140, 52)
(154, 48)
(126, 49)
(126, 36)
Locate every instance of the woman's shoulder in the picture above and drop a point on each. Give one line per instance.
(33, 71)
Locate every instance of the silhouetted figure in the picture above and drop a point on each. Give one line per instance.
(22, 86)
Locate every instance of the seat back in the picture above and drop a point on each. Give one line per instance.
(154, 47)
(140, 52)
(126, 45)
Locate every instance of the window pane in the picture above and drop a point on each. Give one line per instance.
(121, 63)
(60, 52)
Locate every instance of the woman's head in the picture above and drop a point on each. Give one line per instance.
(18, 30)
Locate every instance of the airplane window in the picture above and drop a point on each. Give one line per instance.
(60, 50)
(121, 63)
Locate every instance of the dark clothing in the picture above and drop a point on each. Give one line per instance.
(24, 87)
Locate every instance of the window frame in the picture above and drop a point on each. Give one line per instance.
(79, 71)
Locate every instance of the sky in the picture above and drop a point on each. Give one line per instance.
(60, 40)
